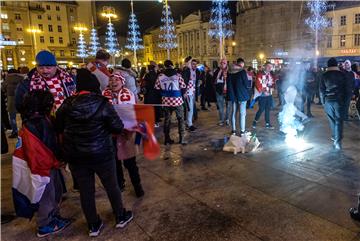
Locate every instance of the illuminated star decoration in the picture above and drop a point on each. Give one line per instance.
(94, 44)
(167, 30)
(111, 39)
(317, 20)
(220, 21)
(81, 51)
(133, 39)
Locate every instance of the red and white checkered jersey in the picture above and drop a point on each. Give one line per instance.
(170, 87)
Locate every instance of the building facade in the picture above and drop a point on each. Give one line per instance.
(342, 38)
(53, 29)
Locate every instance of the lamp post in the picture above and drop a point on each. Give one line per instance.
(109, 13)
(261, 56)
(82, 48)
(34, 31)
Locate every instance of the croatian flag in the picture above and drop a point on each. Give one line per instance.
(31, 165)
(141, 118)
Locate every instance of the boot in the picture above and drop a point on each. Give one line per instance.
(139, 192)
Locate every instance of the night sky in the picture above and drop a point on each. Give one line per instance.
(149, 12)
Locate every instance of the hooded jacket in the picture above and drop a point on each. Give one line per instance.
(87, 122)
(237, 84)
(333, 86)
(130, 80)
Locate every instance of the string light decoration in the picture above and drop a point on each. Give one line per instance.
(220, 23)
(167, 30)
(82, 50)
(111, 43)
(94, 44)
(133, 39)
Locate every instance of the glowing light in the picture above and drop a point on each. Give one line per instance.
(94, 44)
(167, 30)
(33, 62)
(22, 59)
(295, 142)
(233, 43)
(111, 39)
(261, 56)
(33, 30)
(134, 40)
(71, 63)
(317, 52)
(82, 50)
(220, 21)
(317, 20)
(160, 62)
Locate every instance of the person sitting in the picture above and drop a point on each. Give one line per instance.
(87, 121)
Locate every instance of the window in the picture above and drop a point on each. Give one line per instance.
(42, 39)
(4, 16)
(357, 39)
(342, 40)
(72, 19)
(71, 10)
(20, 41)
(5, 26)
(59, 29)
(57, 8)
(61, 41)
(58, 18)
(62, 53)
(47, 7)
(357, 18)
(39, 17)
(343, 20)
(329, 42)
(17, 16)
(72, 53)
(38, 6)
(49, 17)
(50, 28)
(73, 41)
(52, 40)
(330, 20)
(19, 29)
(41, 27)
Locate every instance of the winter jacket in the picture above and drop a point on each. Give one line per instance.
(11, 81)
(310, 82)
(219, 86)
(152, 95)
(130, 80)
(87, 121)
(238, 84)
(186, 76)
(333, 86)
(22, 88)
(350, 82)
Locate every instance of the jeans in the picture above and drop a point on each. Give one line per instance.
(346, 108)
(265, 103)
(221, 102)
(85, 176)
(13, 122)
(308, 103)
(242, 115)
(50, 200)
(179, 111)
(190, 112)
(334, 112)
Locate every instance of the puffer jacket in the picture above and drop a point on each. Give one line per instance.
(333, 86)
(87, 121)
(237, 84)
(130, 79)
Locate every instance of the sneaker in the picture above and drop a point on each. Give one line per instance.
(182, 141)
(221, 123)
(123, 220)
(54, 226)
(227, 122)
(65, 221)
(192, 128)
(254, 124)
(337, 146)
(94, 229)
(233, 133)
(354, 214)
(157, 125)
(268, 126)
(242, 133)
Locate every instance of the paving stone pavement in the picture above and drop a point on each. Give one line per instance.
(197, 192)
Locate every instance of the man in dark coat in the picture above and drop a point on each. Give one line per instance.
(333, 94)
(152, 95)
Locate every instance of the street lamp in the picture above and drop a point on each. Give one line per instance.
(233, 43)
(82, 48)
(34, 31)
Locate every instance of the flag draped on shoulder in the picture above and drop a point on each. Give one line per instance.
(141, 118)
(32, 163)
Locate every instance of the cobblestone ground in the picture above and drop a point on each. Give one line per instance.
(198, 192)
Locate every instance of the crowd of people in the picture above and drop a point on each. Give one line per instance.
(71, 112)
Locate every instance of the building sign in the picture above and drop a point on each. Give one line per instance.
(349, 51)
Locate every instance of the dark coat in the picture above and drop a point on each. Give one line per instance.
(152, 95)
(87, 122)
(237, 84)
(219, 87)
(350, 83)
(333, 86)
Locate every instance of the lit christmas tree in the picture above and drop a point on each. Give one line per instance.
(94, 44)
(167, 30)
(81, 51)
(220, 23)
(317, 20)
(111, 39)
(133, 39)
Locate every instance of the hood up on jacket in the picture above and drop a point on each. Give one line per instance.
(127, 72)
(234, 68)
(170, 72)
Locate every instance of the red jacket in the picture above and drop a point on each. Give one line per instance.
(265, 83)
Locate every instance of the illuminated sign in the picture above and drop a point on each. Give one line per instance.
(349, 51)
(7, 43)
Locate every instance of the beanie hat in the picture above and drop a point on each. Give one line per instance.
(45, 58)
(332, 62)
(85, 80)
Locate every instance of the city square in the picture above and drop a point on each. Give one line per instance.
(180, 120)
